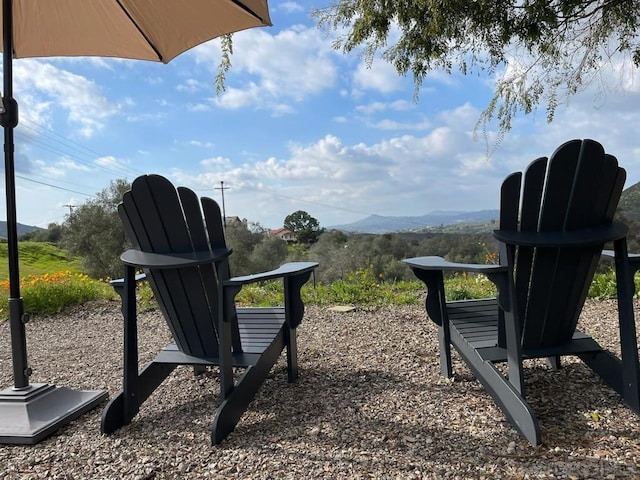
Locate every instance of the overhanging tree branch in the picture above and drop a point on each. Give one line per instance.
(541, 51)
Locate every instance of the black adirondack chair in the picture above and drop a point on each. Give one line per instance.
(179, 243)
(553, 226)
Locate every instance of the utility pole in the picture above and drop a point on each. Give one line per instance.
(222, 188)
(71, 207)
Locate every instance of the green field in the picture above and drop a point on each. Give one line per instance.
(37, 258)
(50, 280)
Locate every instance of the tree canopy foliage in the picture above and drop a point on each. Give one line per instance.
(339, 254)
(52, 234)
(306, 227)
(541, 50)
(94, 232)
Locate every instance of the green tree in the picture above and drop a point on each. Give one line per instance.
(552, 49)
(332, 253)
(94, 232)
(243, 237)
(306, 228)
(52, 234)
(268, 254)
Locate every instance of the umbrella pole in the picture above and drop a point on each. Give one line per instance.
(28, 413)
(9, 120)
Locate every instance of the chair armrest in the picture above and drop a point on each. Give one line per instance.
(588, 237)
(137, 258)
(634, 258)
(430, 271)
(118, 283)
(439, 263)
(294, 275)
(286, 270)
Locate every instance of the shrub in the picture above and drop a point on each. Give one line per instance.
(50, 293)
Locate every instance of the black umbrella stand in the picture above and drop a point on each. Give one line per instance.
(28, 412)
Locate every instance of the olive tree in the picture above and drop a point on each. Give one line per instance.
(242, 237)
(94, 232)
(268, 254)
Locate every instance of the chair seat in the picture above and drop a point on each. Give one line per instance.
(259, 328)
(476, 323)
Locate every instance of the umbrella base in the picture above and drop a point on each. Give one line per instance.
(31, 414)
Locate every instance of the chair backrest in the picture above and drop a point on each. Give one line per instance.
(577, 188)
(159, 218)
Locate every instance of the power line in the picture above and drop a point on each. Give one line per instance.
(22, 177)
(62, 145)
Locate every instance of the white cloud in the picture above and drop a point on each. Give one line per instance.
(66, 164)
(235, 98)
(273, 72)
(52, 171)
(444, 168)
(216, 164)
(463, 115)
(388, 124)
(42, 87)
(199, 107)
(379, 76)
(198, 143)
(148, 117)
(374, 107)
(290, 7)
(191, 85)
(111, 162)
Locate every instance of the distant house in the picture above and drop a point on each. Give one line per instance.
(284, 234)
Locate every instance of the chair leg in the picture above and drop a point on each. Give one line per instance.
(123, 406)
(554, 363)
(444, 341)
(612, 371)
(199, 370)
(291, 342)
(237, 401)
(625, 274)
(504, 392)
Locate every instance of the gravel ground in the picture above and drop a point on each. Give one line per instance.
(369, 404)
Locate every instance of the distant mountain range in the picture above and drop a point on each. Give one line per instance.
(22, 229)
(381, 224)
(629, 206)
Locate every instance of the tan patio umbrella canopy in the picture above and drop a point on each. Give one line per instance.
(156, 30)
(138, 29)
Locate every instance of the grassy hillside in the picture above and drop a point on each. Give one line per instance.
(36, 258)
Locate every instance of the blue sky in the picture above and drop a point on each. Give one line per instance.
(300, 127)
